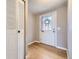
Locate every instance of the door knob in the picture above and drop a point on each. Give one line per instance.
(18, 31)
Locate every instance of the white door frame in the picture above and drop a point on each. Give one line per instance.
(23, 2)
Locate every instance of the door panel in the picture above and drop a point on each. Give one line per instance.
(48, 36)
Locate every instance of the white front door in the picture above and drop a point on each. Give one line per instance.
(20, 16)
(48, 29)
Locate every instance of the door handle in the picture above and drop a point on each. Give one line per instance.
(18, 31)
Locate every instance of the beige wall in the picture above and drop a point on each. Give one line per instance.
(11, 31)
(62, 27)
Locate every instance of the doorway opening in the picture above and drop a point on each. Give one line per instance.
(47, 29)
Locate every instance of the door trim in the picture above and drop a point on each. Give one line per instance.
(23, 2)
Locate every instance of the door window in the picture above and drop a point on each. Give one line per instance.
(46, 23)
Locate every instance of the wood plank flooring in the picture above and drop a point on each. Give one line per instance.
(41, 51)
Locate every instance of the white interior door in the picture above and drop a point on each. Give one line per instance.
(48, 29)
(20, 11)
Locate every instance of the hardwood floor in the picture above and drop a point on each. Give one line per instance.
(41, 51)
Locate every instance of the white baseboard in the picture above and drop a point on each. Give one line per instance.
(37, 41)
(33, 42)
(61, 48)
(26, 57)
(57, 47)
(30, 43)
(67, 54)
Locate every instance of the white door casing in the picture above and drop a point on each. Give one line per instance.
(20, 21)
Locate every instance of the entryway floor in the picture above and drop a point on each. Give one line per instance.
(42, 51)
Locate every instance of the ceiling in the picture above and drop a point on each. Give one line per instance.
(40, 6)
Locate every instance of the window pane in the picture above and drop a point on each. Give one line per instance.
(46, 23)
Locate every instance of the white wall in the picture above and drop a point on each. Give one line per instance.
(62, 24)
(11, 32)
(36, 28)
(31, 28)
(69, 29)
